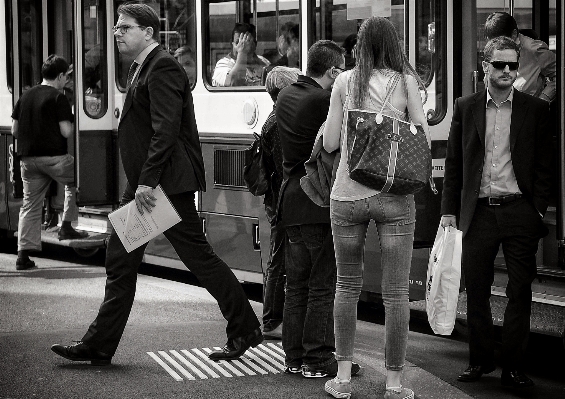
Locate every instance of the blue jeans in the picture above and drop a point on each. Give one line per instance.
(308, 336)
(274, 279)
(37, 175)
(394, 216)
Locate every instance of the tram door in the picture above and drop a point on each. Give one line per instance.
(40, 27)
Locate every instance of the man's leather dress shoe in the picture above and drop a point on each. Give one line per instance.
(515, 379)
(236, 347)
(473, 373)
(80, 352)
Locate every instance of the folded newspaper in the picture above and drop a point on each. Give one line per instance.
(136, 229)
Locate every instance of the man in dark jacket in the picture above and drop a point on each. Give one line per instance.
(159, 144)
(497, 181)
(308, 334)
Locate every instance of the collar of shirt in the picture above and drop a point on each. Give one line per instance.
(509, 98)
(308, 80)
(140, 59)
(145, 52)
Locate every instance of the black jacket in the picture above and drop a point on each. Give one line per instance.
(157, 134)
(530, 145)
(301, 109)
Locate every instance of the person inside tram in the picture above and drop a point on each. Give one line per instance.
(42, 122)
(274, 279)
(288, 48)
(349, 47)
(537, 74)
(185, 57)
(242, 66)
(380, 63)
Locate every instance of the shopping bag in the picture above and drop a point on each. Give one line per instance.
(443, 278)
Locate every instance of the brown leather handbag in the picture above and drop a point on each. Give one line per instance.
(386, 153)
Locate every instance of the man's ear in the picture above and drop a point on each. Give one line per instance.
(485, 67)
(149, 30)
(333, 73)
(515, 36)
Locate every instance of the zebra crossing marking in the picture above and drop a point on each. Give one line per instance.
(194, 364)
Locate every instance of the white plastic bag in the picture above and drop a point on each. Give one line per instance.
(442, 282)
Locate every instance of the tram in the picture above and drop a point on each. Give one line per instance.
(442, 38)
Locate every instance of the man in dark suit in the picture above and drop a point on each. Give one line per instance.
(159, 144)
(308, 334)
(497, 180)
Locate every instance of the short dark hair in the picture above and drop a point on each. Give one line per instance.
(144, 15)
(323, 55)
(242, 28)
(500, 24)
(53, 66)
(500, 43)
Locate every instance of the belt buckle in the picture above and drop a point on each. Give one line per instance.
(495, 203)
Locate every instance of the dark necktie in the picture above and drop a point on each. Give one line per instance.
(131, 73)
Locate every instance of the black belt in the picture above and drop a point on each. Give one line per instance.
(498, 200)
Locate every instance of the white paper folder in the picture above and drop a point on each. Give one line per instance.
(135, 229)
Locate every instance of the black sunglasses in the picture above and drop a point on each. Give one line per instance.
(502, 64)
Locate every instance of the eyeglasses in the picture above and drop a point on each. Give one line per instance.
(502, 65)
(124, 28)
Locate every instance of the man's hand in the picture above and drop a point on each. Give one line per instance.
(244, 44)
(448, 220)
(144, 198)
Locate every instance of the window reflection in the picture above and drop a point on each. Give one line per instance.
(95, 71)
(30, 43)
(177, 36)
(273, 27)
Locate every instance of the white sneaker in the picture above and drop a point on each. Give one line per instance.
(338, 388)
(399, 393)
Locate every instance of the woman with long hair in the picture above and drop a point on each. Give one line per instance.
(380, 61)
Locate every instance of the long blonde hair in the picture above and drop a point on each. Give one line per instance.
(378, 47)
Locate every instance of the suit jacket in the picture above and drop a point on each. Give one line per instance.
(157, 134)
(301, 109)
(530, 146)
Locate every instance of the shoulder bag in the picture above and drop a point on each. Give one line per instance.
(386, 153)
(254, 172)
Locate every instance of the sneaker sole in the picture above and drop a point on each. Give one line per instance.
(337, 394)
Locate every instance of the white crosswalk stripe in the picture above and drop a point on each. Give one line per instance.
(194, 364)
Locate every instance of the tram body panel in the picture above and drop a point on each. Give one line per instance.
(441, 38)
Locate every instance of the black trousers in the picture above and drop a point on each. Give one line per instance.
(195, 252)
(518, 227)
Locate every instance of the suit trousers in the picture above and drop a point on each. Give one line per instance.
(518, 227)
(195, 252)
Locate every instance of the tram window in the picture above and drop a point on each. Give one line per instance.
(430, 60)
(274, 30)
(9, 50)
(177, 36)
(331, 23)
(95, 71)
(30, 43)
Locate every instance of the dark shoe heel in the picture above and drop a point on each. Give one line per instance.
(100, 362)
(258, 340)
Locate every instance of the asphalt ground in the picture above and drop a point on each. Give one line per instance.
(56, 302)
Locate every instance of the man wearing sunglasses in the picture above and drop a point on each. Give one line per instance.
(496, 188)
(537, 72)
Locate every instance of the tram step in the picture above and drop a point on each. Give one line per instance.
(94, 240)
(545, 319)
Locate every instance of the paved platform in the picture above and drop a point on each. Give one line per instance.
(163, 351)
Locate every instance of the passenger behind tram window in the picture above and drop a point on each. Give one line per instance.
(349, 46)
(288, 48)
(288, 45)
(185, 57)
(242, 66)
